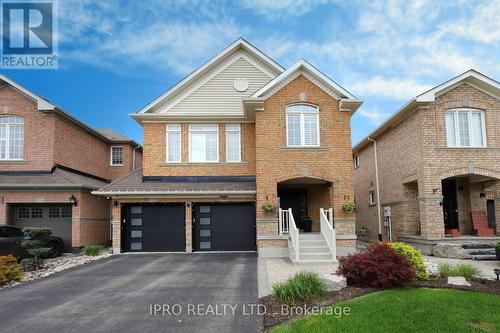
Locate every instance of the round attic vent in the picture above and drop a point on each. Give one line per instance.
(240, 84)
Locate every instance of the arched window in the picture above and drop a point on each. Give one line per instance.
(302, 125)
(11, 138)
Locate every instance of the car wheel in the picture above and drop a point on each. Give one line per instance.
(54, 250)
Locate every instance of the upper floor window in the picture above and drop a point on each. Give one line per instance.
(465, 128)
(204, 143)
(116, 156)
(11, 138)
(356, 161)
(233, 143)
(174, 134)
(302, 125)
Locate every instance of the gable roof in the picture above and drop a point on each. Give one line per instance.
(46, 106)
(304, 67)
(240, 43)
(471, 77)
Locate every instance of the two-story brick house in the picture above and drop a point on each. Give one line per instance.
(49, 163)
(438, 161)
(229, 150)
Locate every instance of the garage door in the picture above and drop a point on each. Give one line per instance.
(154, 228)
(224, 227)
(55, 217)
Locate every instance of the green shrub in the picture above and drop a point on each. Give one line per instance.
(497, 246)
(349, 207)
(33, 246)
(300, 287)
(414, 256)
(10, 270)
(466, 271)
(31, 264)
(92, 250)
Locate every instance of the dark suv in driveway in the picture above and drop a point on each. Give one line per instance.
(12, 237)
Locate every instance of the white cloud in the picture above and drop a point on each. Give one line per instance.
(374, 115)
(387, 87)
(281, 8)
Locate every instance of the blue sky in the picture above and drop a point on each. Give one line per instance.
(116, 56)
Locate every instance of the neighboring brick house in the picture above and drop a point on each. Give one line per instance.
(438, 161)
(49, 163)
(237, 134)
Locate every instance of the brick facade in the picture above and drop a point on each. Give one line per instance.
(414, 158)
(50, 139)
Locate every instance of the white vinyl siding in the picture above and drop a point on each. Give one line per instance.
(11, 138)
(116, 156)
(174, 140)
(302, 125)
(465, 128)
(233, 143)
(203, 143)
(218, 96)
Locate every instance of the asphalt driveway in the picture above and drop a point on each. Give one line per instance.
(140, 293)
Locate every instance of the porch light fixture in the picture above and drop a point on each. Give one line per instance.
(72, 200)
(434, 190)
(482, 195)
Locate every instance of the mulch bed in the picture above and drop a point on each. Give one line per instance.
(274, 314)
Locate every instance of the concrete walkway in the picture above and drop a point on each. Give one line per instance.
(272, 270)
(485, 267)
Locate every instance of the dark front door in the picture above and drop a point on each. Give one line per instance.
(490, 210)
(154, 228)
(224, 227)
(296, 200)
(450, 209)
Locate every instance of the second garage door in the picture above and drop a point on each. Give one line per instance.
(224, 227)
(154, 228)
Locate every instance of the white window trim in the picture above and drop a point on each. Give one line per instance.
(356, 161)
(302, 130)
(217, 145)
(372, 203)
(239, 143)
(111, 156)
(180, 143)
(7, 140)
(469, 121)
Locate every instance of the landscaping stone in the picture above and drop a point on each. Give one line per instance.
(334, 282)
(432, 268)
(458, 281)
(55, 265)
(446, 250)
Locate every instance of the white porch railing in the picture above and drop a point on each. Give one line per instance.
(325, 220)
(288, 226)
(284, 221)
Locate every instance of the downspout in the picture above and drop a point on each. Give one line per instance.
(377, 188)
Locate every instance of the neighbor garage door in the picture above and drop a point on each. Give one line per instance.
(55, 217)
(154, 228)
(224, 227)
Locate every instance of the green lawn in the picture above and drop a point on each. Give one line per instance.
(408, 310)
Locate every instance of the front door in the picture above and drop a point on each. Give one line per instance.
(296, 200)
(490, 210)
(450, 208)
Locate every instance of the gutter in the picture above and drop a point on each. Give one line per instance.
(377, 187)
(108, 193)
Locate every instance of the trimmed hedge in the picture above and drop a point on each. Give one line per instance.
(414, 256)
(10, 270)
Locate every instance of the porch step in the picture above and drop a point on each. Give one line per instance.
(311, 235)
(315, 256)
(478, 246)
(485, 257)
(315, 249)
(483, 251)
(318, 242)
